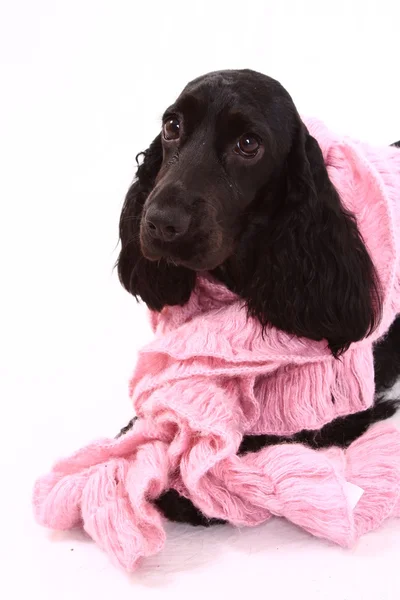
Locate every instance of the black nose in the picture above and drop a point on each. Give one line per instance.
(166, 225)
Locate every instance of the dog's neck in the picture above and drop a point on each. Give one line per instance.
(223, 274)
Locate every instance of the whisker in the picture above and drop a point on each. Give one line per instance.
(135, 238)
(132, 218)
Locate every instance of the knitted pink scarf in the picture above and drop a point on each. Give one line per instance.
(209, 377)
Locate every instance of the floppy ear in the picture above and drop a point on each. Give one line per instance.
(314, 276)
(157, 283)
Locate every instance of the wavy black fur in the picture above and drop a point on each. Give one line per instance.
(156, 283)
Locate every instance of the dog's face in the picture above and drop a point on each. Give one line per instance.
(235, 184)
(221, 142)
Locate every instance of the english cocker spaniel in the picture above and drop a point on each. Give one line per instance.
(235, 185)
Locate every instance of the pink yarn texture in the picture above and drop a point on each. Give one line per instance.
(210, 377)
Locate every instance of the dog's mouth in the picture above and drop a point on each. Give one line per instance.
(193, 255)
(196, 263)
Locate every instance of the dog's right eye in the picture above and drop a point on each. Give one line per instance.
(171, 129)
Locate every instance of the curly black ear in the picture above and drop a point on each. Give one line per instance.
(157, 283)
(313, 274)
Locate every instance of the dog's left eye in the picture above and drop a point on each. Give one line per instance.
(247, 145)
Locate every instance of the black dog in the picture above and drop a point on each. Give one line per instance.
(235, 185)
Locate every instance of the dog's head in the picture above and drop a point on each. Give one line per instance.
(235, 183)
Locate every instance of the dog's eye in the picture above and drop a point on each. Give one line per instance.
(171, 128)
(247, 145)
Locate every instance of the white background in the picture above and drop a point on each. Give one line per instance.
(82, 87)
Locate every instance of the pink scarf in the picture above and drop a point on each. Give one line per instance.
(209, 377)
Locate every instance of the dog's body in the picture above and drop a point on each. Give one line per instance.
(237, 186)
